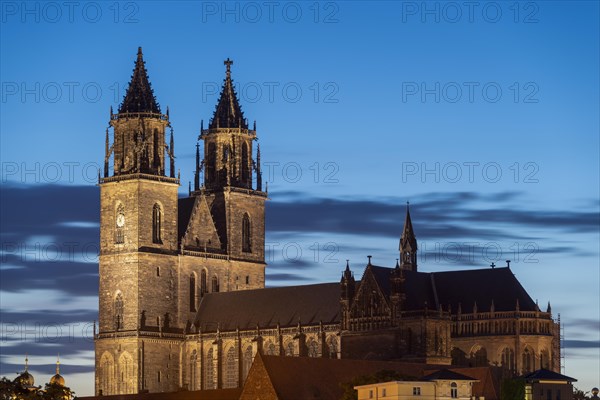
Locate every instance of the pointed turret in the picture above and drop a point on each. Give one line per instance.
(408, 244)
(197, 173)
(172, 156)
(258, 171)
(228, 113)
(139, 97)
(347, 283)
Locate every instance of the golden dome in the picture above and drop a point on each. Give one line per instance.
(25, 379)
(57, 380)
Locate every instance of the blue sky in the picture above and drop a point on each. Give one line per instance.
(485, 119)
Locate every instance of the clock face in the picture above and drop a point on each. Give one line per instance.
(120, 220)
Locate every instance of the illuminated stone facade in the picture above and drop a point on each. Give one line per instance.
(182, 301)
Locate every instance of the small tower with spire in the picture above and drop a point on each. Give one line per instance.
(348, 288)
(228, 142)
(231, 182)
(139, 129)
(408, 244)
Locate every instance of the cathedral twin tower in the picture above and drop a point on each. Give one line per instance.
(159, 254)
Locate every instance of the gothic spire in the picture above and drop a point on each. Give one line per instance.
(408, 244)
(139, 97)
(228, 113)
(408, 234)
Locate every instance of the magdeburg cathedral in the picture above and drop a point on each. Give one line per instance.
(182, 298)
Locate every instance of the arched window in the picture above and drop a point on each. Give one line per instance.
(156, 224)
(246, 234)
(247, 362)
(107, 374)
(231, 370)
(544, 359)
(193, 370)
(270, 349)
(289, 349)
(508, 359)
(245, 164)
(193, 291)
(119, 311)
(209, 367)
(125, 373)
(527, 360)
(215, 284)
(203, 287)
(332, 345)
(313, 348)
(479, 357)
(454, 390)
(211, 163)
(120, 224)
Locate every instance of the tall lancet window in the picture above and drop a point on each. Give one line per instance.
(193, 291)
(245, 165)
(246, 234)
(156, 224)
(211, 166)
(118, 312)
(203, 286)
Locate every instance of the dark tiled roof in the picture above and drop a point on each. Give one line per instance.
(547, 375)
(185, 206)
(481, 286)
(418, 290)
(245, 309)
(447, 375)
(139, 97)
(220, 394)
(465, 287)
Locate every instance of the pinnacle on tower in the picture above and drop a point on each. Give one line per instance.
(139, 97)
(228, 113)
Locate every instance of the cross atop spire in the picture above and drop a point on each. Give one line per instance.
(26, 363)
(228, 64)
(228, 113)
(57, 364)
(139, 97)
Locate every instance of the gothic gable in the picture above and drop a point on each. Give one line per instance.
(370, 299)
(201, 233)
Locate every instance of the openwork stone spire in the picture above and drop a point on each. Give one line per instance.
(228, 113)
(408, 244)
(139, 97)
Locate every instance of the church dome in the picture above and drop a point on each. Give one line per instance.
(25, 379)
(57, 380)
